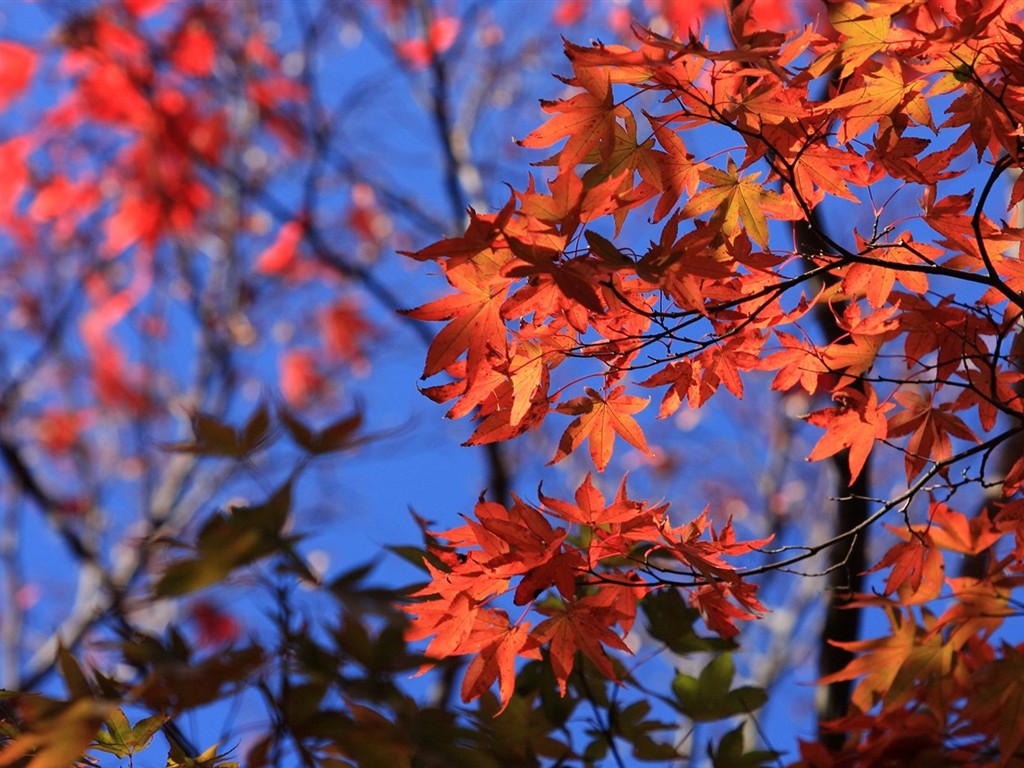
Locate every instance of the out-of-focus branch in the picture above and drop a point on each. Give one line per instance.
(463, 187)
(11, 626)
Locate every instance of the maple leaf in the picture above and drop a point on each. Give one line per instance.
(496, 660)
(952, 530)
(586, 120)
(863, 35)
(481, 242)
(677, 173)
(917, 570)
(216, 626)
(569, 12)
(17, 63)
(882, 92)
(720, 615)
(280, 256)
(855, 424)
(61, 197)
(735, 199)
(876, 281)
(980, 607)
(889, 667)
(858, 356)
(590, 508)
(599, 419)
(301, 378)
(822, 169)
(929, 429)
(984, 383)
(59, 430)
(137, 218)
(194, 51)
(344, 330)
(144, 7)
(684, 383)
(579, 625)
(797, 363)
(529, 376)
(1000, 700)
(475, 324)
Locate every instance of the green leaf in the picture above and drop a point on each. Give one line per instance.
(121, 740)
(716, 677)
(730, 752)
(185, 576)
(75, 680)
(596, 750)
(256, 431)
(300, 433)
(145, 730)
(213, 437)
(687, 693)
(336, 436)
(227, 542)
(707, 697)
(113, 739)
(208, 759)
(671, 621)
(746, 699)
(635, 726)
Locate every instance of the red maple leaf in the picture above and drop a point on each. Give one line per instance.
(17, 63)
(929, 429)
(599, 419)
(475, 325)
(579, 625)
(855, 424)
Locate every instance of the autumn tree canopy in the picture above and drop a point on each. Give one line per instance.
(752, 233)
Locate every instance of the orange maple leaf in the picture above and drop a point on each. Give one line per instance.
(882, 92)
(579, 625)
(677, 173)
(980, 607)
(863, 36)
(917, 570)
(929, 429)
(797, 363)
(475, 325)
(889, 667)
(600, 419)
(856, 423)
(497, 660)
(735, 199)
(590, 508)
(952, 530)
(586, 120)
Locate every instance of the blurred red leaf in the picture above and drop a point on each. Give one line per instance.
(300, 377)
(17, 63)
(279, 258)
(216, 626)
(194, 51)
(569, 12)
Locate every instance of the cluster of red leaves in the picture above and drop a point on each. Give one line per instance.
(939, 679)
(134, 144)
(720, 290)
(534, 284)
(585, 572)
